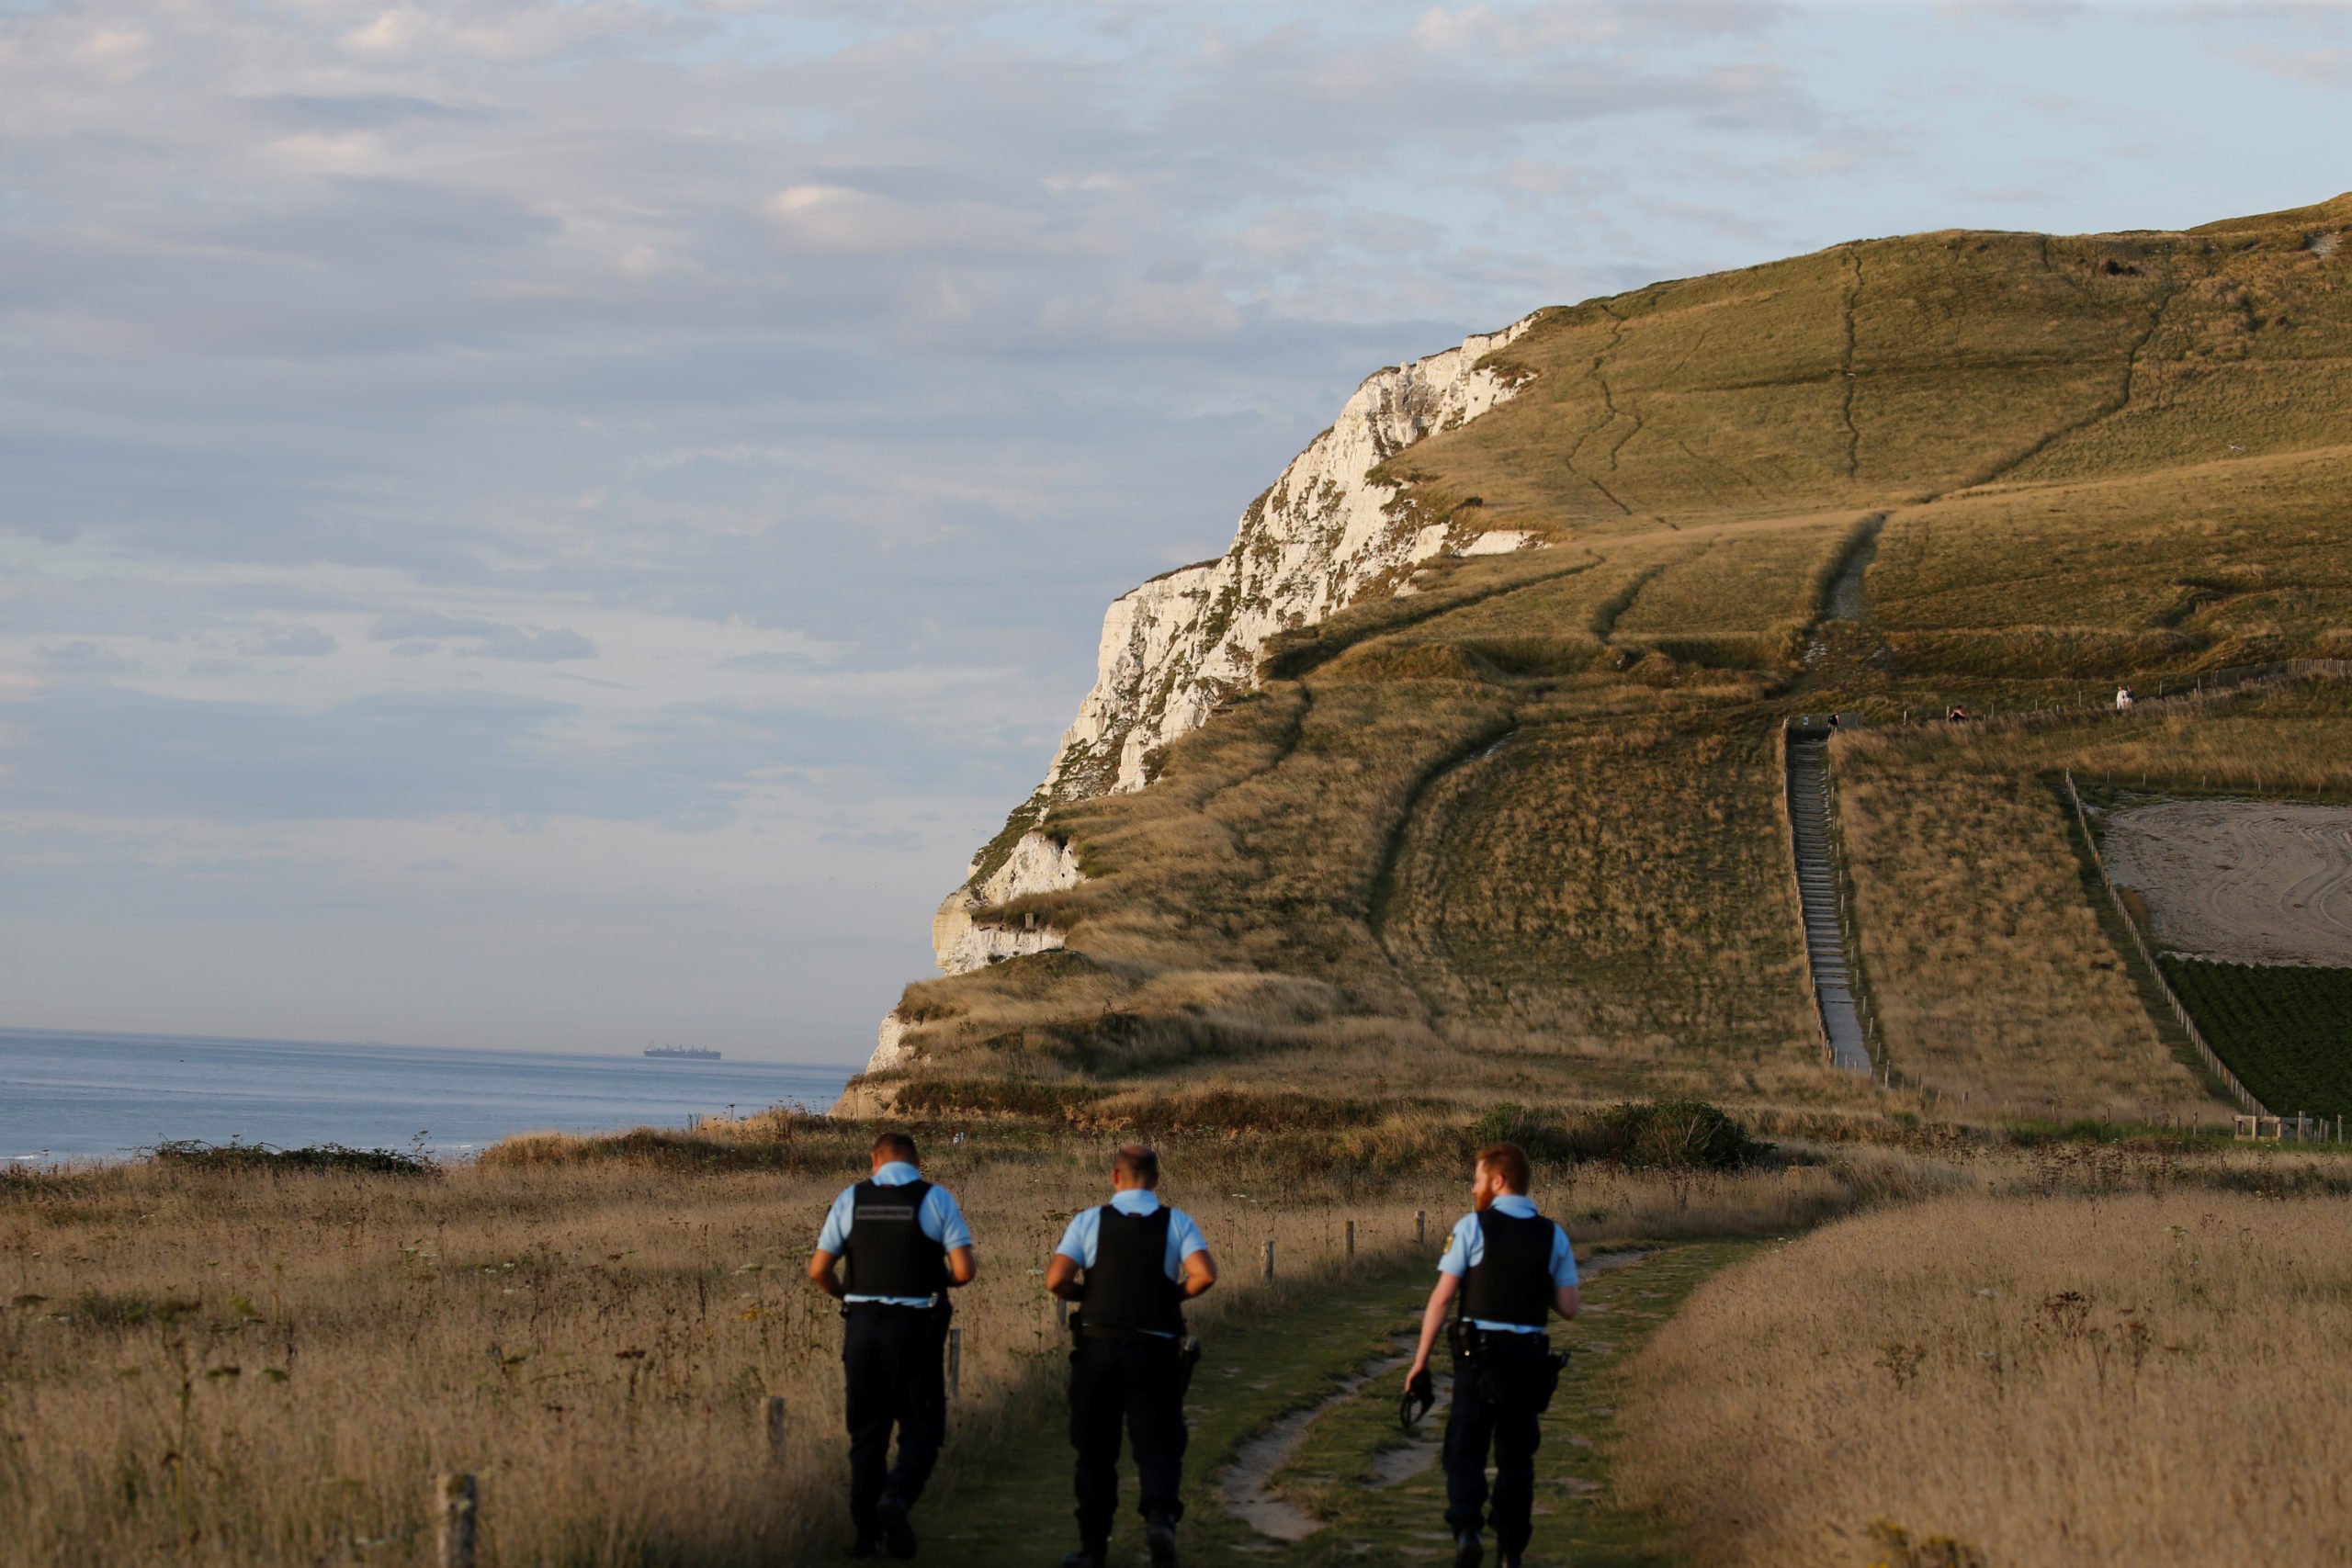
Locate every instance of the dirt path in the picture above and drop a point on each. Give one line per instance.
(1296, 1458)
(2243, 881)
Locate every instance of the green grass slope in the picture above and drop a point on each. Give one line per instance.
(1518, 834)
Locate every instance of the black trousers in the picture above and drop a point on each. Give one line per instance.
(892, 1361)
(1141, 1384)
(1512, 1426)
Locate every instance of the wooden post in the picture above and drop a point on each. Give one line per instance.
(457, 1504)
(1421, 1224)
(1270, 1257)
(1351, 1238)
(954, 1363)
(774, 1413)
(1061, 1313)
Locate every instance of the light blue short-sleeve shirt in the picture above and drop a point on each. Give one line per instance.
(941, 1218)
(1467, 1249)
(1084, 1236)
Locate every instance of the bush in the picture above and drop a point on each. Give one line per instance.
(235, 1156)
(1656, 1134)
(1540, 1132)
(1667, 1134)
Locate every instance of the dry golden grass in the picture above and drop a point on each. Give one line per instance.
(2133, 1378)
(2295, 737)
(206, 1369)
(1989, 971)
(1893, 370)
(1615, 886)
(1753, 577)
(2218, 555)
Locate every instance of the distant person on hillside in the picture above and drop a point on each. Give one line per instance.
(1130, 1265)
(904, 1244)
(1958, 714)
(2124, 699)
(1510, 1269)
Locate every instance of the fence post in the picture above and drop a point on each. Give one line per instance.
(1270, 1257)
(1422, 1219)
(774, 1413)
(1351, 1238)
(954, 1363)
(458, 1503)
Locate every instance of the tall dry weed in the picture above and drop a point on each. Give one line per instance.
(1991, 977)
(197, 1369)
(2132, 1380)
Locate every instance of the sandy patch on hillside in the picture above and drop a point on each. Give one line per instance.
(2248, 882)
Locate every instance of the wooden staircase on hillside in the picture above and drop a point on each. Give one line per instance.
(1827, 952)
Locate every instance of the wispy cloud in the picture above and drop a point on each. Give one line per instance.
(554, 436)
(424, 630)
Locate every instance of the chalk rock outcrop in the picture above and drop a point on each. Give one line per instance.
(1037, 864)
(1321, 538)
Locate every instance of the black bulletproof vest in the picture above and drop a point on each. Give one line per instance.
(1511, 1281)
(1128, 1288)
(887, 1253)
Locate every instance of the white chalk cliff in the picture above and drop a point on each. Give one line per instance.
(1323, 536)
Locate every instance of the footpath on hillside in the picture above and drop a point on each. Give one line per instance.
(1296, 1457)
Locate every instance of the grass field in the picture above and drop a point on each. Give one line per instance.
(2134, 1379)
(2285, 1030)
(218, 1367)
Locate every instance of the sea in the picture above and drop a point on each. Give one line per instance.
(77, 1097)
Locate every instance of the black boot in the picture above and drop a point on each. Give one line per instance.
(1089, 1554)
(867, 1544)
(1468, 1548)
(898, 1531)
(1160, 1535)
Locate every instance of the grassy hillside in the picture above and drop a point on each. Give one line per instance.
(1518, 833)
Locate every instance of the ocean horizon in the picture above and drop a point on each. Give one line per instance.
(83, 1095)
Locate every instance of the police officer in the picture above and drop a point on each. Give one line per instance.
(1131, 1265)
(1511, 1268)
(905, 1244)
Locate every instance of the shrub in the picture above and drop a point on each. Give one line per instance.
(1541, 1134)
(236, 1156)
(1666, 1134)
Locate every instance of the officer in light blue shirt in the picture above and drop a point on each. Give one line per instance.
(1510, 1268)
(1083, 1241)
(906, 1246)
(940, 1217)
(1130, 1265)
(1466, 1249)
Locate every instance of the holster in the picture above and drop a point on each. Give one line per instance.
(1469, 1344)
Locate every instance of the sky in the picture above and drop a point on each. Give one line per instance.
(562, 525)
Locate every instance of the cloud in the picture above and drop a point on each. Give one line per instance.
(2329, 67)
(301, 642)
(417, 632)
(83, 657)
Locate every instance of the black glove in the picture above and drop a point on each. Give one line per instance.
(1422, 1391)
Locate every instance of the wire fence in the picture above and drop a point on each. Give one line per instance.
(2170, 697)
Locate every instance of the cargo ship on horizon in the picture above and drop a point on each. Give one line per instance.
(683, 1052)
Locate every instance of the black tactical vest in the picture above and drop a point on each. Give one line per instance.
(1128, 1292)
(885, 1253)
(1511, 1281)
